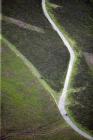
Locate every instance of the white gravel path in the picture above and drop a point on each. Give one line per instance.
(62, 100)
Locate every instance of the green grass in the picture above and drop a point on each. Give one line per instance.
(75, 19)
(44, 49)
(28, 110)
(21, 86)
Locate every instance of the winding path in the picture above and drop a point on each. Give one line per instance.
(61, 103)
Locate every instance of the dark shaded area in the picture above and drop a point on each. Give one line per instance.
(76, 16)
(46, 51)
(82, 107)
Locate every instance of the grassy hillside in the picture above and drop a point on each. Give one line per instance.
(75, 19)
(28, 110)
(25, 26)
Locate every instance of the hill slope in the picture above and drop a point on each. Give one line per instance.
(28, 110)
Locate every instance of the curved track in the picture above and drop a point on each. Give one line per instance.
(62, 100)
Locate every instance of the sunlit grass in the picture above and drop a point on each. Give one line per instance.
(28, 109)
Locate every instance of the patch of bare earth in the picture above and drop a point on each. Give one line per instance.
(89, 59)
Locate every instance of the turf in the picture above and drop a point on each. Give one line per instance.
(28, 110)
(75, 19)
(34, 38)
